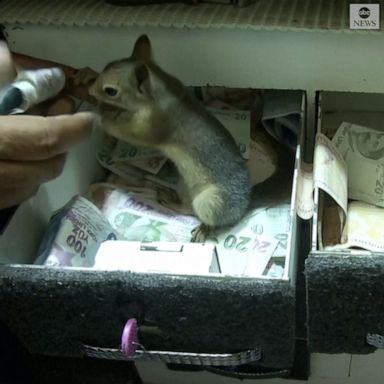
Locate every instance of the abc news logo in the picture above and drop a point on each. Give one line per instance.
(364, 13)
(364, 16)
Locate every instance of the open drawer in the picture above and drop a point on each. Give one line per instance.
(60, 310)
(345, 284)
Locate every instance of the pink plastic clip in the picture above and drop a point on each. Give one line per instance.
(129, 339)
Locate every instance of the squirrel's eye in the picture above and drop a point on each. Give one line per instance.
(110, 91)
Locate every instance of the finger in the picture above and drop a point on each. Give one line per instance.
(11, 197)
(26, 137)
(14, 174)
(29, 62)
(57, 106)
(78, 84)
(79, 90)
(7, 69)
(63, 105)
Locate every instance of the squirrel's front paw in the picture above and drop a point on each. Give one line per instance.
(202, 233)
(83, 77)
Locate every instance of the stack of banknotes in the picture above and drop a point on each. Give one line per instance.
(134, 202)
(349, 168)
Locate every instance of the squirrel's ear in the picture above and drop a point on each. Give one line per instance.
(142, 78)
(142, 49)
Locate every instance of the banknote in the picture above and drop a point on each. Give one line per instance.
(104, 157)
(242, 250)
(163, 173)
(74, 234)
(364, 228)
(330, 226)
(330, 171)
(144, 158)
(259, 164)
(228, 98)
(137, 184)
(304, 197)
(275, 268)
(138, 217)
(119, 167)
(149, 164)
(116, 155)
(246, 249)
(100, 194)
(126, 151)
(363, 150)
(167, 176)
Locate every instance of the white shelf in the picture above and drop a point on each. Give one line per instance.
(261, 15)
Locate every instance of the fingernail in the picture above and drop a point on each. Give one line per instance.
(93, 118)
(96, 121)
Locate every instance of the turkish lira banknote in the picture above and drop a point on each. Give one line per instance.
(363, 150)
(364, 228)
(139, 217)
(74, 234)
(166, 175)
(246, 249)
(330, 171)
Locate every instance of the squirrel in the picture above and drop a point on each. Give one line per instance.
(142, 104)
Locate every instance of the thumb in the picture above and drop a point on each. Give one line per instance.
(63, 105)
(59, 106)
(7, 69)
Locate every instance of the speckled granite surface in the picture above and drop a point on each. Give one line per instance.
(346, 301)
(53, 311)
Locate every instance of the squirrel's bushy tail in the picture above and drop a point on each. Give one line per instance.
(277, 188)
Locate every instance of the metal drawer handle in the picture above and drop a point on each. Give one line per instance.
(205, 359)
(129, 351)
(375, 340)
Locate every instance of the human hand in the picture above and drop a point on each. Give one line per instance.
(78, 80)
(32, 148)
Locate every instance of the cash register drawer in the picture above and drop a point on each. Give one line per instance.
(56, 311)
(345, 288)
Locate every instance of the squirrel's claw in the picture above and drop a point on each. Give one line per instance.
(201, 233)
